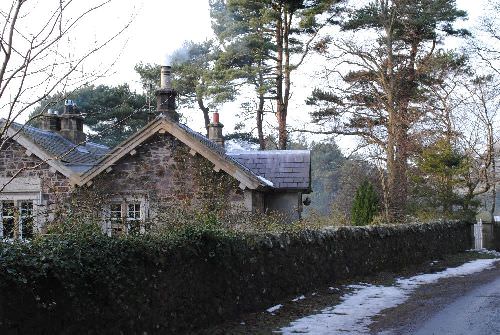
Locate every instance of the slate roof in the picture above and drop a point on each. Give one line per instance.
(286, 169)
(220, 150)
(277, 169)
(78, 158)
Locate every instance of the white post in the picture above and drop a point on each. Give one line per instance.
(478, 235)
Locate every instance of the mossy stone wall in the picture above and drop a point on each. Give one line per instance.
(104, 285)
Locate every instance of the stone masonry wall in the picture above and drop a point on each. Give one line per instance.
(157, 286)
(55, 187)
(163, 173)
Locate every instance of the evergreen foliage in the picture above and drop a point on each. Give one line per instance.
(437, 186)
(200, 76)
(384, 97)
(260, 39)
(365, 205)
(112, 113)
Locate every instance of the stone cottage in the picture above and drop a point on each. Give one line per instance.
(53, 171)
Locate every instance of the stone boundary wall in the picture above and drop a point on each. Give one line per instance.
(129, 286)
(496, 236)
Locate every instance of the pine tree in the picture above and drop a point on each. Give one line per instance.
(383, 100)
(112, 113)
(263, 36)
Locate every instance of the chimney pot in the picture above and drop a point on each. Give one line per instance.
(166, 78)
(51, 121)
(215, 130)
(215, 118)
(165, 95)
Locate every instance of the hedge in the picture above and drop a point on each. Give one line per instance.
(157, 285)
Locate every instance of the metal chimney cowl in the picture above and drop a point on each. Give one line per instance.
(166, 95)
(72, 123)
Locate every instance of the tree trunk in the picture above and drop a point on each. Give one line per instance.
(280, 105)
(260, 119)
(397, 188)
(399, 145)
(205, 111)
(260, 108)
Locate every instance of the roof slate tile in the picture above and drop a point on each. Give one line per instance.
(286, 169)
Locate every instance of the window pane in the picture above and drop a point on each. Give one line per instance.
(134, 211)
(8, 208)
(116, 212)
(26, 218)
(116, 219)
(8, 219)
(134, 218)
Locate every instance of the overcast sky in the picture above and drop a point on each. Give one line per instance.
(161, 26)
(158, 28)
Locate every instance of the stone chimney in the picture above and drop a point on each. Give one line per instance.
(72, 123)
(51, 121)
(215, 130)
(165, 95)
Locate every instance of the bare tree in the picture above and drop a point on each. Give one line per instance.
(486, 40)
(37, 55)
(478, 125)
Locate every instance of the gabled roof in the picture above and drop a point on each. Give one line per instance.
(55, 150)
(198, 143)
(77, 157)
(286, 169)
(262, 170)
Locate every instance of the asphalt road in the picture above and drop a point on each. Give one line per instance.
(464, 305)
(477, 312)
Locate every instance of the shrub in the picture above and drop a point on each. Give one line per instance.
(365, 205)
(200, 274)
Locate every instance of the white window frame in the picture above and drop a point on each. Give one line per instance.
(17, 201)
(125, 219)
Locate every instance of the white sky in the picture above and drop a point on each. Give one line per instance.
(161, 26)
(158, 28)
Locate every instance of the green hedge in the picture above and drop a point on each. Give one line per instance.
(96, 284)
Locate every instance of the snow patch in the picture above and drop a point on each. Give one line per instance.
(488, 252)
(274, 308)
(265, 181)
(302, 297)
(353, 315)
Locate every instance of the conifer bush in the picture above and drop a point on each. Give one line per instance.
(365, 205)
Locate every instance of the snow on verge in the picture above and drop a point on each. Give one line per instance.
(353, 315)
(302, 297)
(274, 308)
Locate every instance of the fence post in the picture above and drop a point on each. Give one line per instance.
(478, 235)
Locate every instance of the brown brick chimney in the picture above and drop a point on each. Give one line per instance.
(215, 130)
(165, 95)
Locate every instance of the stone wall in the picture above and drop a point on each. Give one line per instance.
(163, 173)
(55, 188)
(160, 286)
